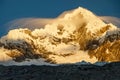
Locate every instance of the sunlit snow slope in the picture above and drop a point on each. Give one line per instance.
(75, 36)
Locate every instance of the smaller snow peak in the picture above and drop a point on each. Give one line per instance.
(103, 30)
(110, 32)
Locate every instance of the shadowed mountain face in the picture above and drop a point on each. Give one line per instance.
(76, 36)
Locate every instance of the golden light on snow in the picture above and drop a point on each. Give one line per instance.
(60, 40)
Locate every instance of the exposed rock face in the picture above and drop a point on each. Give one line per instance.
(77, 36)
(106, 48)
(20, 51)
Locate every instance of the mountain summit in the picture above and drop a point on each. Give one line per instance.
(76, 36)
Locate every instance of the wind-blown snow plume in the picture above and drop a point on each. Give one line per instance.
(73, 37)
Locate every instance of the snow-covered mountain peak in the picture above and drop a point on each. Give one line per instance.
(68, 39)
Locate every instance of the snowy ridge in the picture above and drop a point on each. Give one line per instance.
(68, 39)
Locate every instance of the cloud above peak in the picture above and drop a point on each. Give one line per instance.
(111, 19)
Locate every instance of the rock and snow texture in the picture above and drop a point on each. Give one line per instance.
(77, 36)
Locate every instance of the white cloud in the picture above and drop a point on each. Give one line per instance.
(111, 19)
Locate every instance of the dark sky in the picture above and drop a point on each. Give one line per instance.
(15, 9)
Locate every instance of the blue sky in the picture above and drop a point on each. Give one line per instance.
(15, 9)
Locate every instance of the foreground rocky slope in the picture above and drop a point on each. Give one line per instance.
(63, 72)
